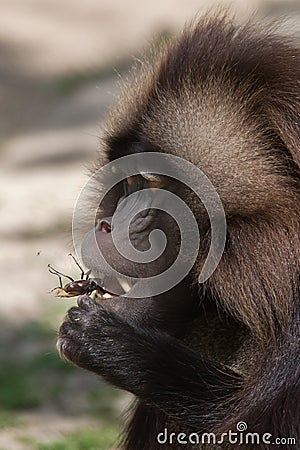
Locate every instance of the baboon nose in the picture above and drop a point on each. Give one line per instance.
(104, 225)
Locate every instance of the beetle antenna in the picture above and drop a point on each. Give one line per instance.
(78, 265)
(59, 274)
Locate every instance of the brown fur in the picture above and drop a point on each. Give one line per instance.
(226, 98)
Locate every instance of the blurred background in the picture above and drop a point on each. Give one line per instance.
(60, 61)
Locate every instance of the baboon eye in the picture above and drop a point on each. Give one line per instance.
(131, 180)
(132, 184)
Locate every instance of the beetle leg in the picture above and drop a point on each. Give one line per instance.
(63, 294)
(87, 274)
(54, 289)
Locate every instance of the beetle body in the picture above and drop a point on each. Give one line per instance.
(78, 287)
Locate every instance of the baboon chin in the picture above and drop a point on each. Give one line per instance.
(202, 357)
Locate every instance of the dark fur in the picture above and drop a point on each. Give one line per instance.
(227, 99)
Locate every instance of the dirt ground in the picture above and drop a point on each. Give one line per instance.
(59, 66)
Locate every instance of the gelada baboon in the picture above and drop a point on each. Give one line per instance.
(200, 358)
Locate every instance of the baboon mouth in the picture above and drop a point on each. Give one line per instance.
(112, 286)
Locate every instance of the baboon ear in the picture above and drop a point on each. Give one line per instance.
(286, 120)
